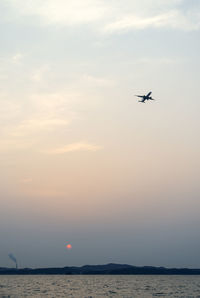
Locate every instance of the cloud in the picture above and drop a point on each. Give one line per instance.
(26, 180)
(113, 16)
(35, 125)
(8, 109)
(25, 126)
(17, 58)
(81, 146)
(9, 143)
(172, 19)
(47, 112)
(40, 74)
(97, 81)
(61, 11)
(156, 61)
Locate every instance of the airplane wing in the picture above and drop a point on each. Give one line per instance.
(143, 100)
(148, 94)
(139, 96)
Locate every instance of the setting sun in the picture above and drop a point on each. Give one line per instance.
(69, 246)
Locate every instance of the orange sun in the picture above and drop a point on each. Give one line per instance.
(69, 246)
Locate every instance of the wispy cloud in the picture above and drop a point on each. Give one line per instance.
(61, 11)
(9, 143)
(46, 113)
(118, 16)
(81, 146)
(38, 75)
(35, 125)
(156, 61)
(8, 109)
(17, 58)
(26, 180)
(172, 19)
(97, 81)
(25, 126)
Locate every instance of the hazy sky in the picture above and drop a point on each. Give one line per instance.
(82, 162)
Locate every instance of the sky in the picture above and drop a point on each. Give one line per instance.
(82, 162)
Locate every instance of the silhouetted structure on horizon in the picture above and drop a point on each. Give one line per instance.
(115, 269)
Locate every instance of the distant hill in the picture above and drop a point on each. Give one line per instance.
(115, 269)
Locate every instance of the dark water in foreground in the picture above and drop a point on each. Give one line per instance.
(81, 286)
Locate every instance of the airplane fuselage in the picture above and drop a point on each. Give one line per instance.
(145, 97)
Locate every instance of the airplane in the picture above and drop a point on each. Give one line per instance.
(145, 97)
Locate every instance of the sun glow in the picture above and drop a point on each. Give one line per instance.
(69, 246)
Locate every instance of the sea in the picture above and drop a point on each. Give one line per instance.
(82, 286)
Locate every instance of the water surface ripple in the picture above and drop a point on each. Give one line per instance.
(89, 286)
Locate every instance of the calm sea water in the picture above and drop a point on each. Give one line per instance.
(99, 286)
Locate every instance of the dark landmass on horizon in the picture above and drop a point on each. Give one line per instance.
(115, 269)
